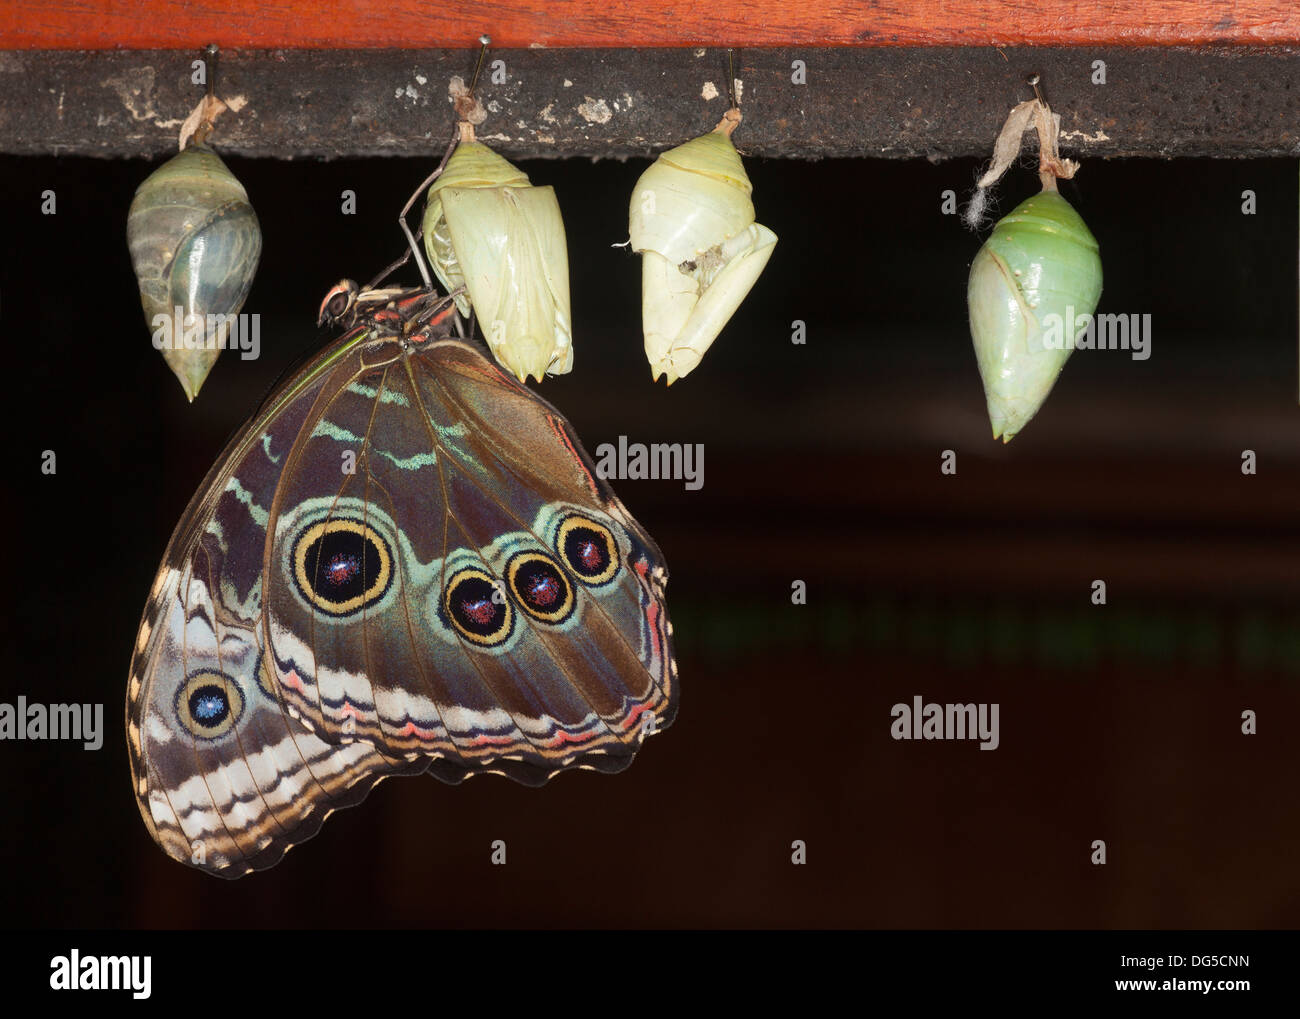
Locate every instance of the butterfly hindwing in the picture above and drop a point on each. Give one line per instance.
(423, 602)
(623, 622)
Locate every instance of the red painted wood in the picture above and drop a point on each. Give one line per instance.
(420, 24)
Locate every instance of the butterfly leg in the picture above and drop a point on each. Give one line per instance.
(401, 219)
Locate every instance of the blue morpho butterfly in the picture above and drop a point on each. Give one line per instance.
(405, 562)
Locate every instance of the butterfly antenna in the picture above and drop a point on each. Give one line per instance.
(374, 283)
(731, 79)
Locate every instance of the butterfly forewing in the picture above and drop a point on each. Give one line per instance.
(224, 780)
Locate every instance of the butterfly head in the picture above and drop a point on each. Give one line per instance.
(417, 315)
(339, 303)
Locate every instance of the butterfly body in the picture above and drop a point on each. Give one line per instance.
(404, 563)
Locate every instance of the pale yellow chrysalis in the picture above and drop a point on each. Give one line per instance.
(489, 230)
(692, 221)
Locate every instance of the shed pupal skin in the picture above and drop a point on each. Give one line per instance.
(490, 231)
(692, 221)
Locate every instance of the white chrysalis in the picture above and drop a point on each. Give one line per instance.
(692, 221)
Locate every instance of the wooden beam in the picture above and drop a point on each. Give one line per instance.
(352, 24)
(885, 103)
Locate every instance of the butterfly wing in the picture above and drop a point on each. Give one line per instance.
(224, 779)
(405, 563)
(448, 577)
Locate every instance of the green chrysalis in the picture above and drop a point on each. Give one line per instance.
(1041, 260)
(1035, 282)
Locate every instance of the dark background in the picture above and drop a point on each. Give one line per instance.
(822, 462)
